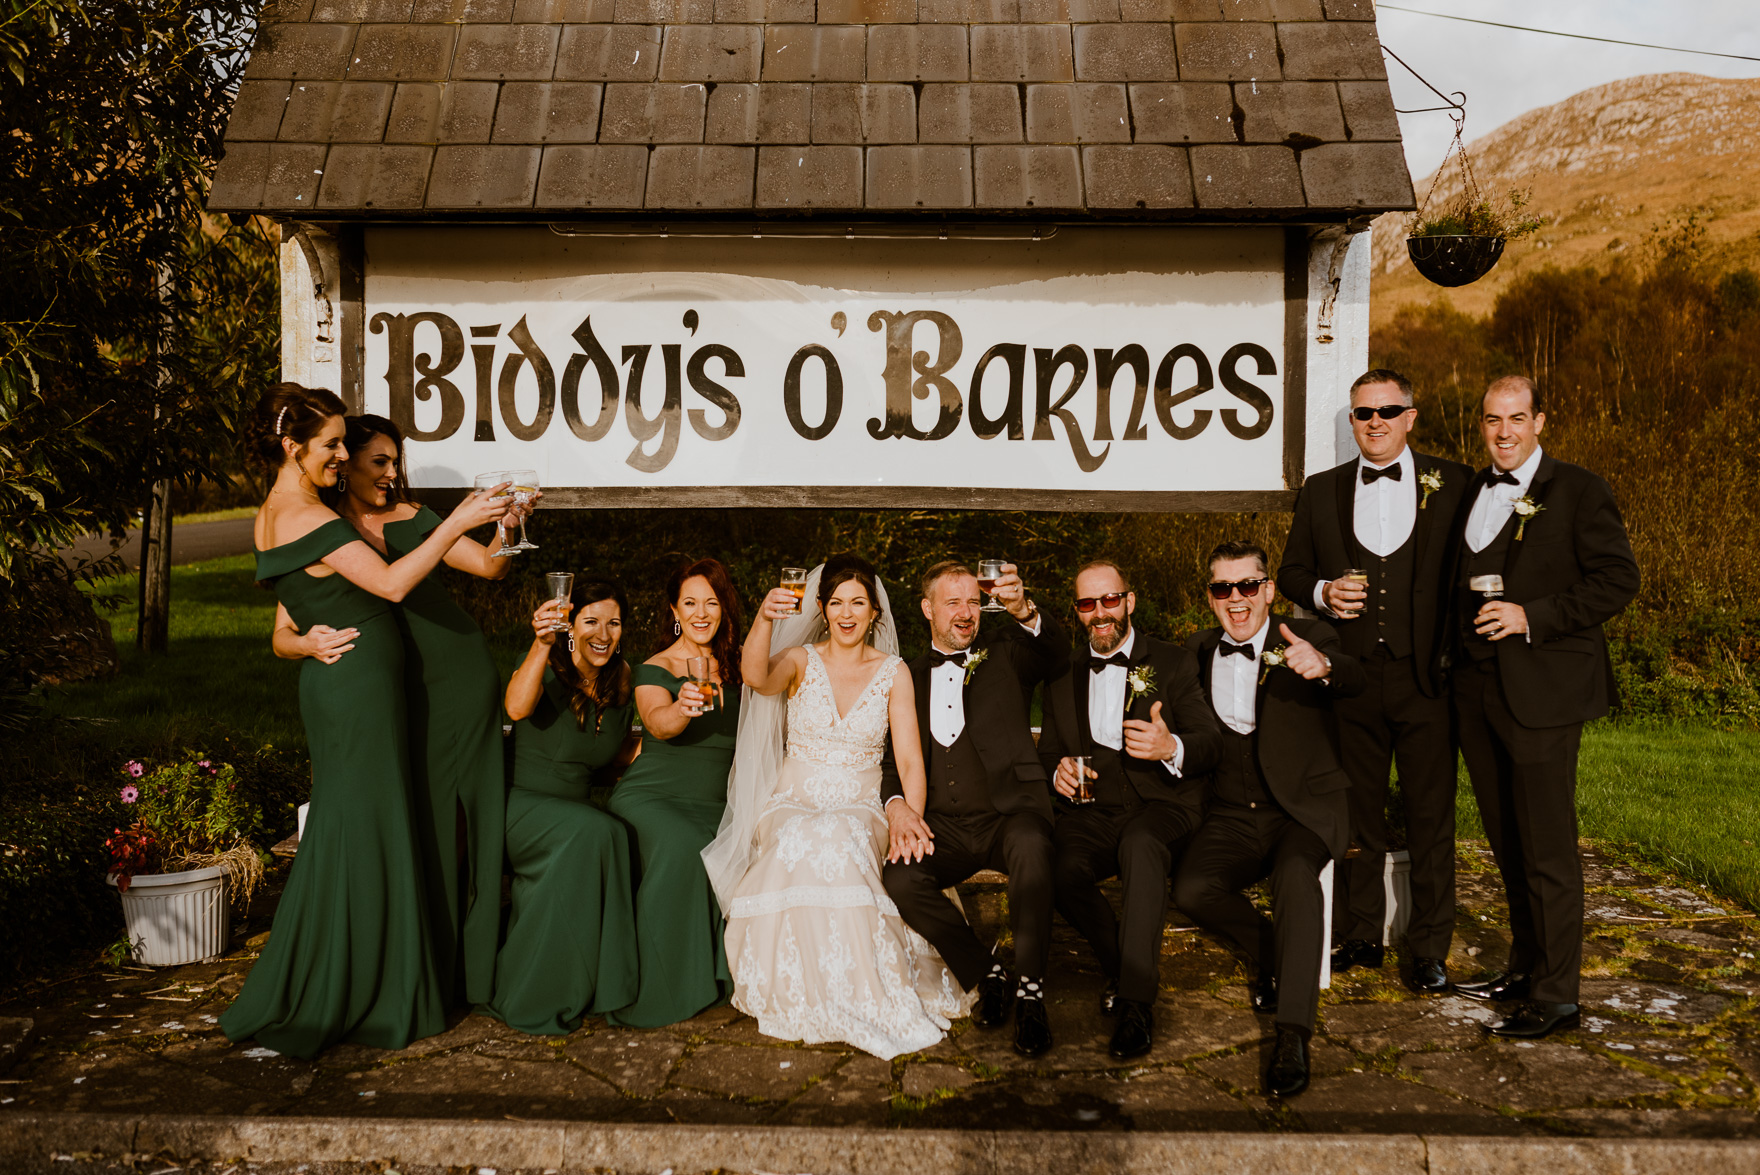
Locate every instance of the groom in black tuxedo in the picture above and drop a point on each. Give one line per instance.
(1387, 513)
(989, 805)
(1530, 667)
(1133, 706)
(1278, 801)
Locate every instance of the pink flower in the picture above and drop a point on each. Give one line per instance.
(135, 769)
(130, 794)
(203, 763)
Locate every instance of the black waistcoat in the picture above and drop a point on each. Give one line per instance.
(1387, 614)
(1114, 788)
(1490, 561)
(957, 782)
(1238, 778)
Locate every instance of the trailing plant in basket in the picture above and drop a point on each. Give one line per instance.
(183, 816)
(1473, 216)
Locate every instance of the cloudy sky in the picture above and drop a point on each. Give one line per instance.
(1505, 72)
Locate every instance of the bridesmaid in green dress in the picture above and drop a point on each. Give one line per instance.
(673, 795)
(349, 956)
(571, 941)
(453, 691)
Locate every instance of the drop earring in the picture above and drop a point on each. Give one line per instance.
(342, 483)
(571, 642)
(677, 630)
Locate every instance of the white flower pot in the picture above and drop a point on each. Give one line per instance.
(176, 918)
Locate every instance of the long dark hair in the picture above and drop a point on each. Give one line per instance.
(288, 410)
(839, 570)
(610, 686)
(724, 645)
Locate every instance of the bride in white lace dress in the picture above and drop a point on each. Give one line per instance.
(818, 950)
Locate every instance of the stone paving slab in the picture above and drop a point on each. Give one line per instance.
(1669, 1049)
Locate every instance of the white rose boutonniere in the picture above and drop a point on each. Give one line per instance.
(1429, 482)
(1272, 658)
(1141, 681)
(1525, 507)
(973, 660)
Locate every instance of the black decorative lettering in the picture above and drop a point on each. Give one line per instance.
(1166, 399)
(665, 423)
(571, 385)
(1107, 365)
(732, 368)
(403, 364)
(1251, 394)
(791, 392)
(902, 390)
(506, 390)
(1014, 358)
(484, 356)
(1045, 368)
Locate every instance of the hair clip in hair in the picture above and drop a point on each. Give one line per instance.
(278, 418)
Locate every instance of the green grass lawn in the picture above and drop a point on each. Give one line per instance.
(1682, 796)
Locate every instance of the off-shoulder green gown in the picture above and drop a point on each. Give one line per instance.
(348, 956)
(571, 939)
(455, 751)
(672, 798)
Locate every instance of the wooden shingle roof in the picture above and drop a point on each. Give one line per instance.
(547, 109)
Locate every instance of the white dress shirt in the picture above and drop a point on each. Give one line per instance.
(947, 694)
(1385, 513)
(1234, 683)
(1107, 691)
(1494, 505)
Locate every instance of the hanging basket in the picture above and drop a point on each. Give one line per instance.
(1454, 261)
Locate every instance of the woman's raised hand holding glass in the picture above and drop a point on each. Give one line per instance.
(488, 504)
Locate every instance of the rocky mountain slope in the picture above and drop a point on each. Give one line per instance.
(1605, 166)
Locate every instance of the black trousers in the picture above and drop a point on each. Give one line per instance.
(1137, 845)
(1236, 847)
(1525, 780)
(1018, 845)
(1392, 723)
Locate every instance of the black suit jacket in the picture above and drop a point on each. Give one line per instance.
(1322, 543)
(1185, 708)
(1572, 571)
(999, 698)
(1297, 737)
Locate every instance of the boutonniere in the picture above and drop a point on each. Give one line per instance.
(1141, 680)
(1272, 658)
(1429, 481)
(1525, 507)
(973, 660)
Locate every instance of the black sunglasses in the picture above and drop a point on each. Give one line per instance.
(1249, 588)
(1110, 599)
(1385, 412)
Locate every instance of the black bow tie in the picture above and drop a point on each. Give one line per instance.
(937, 658)
(1096, 664)
(1229, 648)
(1372, 475)
(1504, 479)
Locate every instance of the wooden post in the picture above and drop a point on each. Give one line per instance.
(153, 629)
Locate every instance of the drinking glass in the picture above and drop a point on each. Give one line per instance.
(1489, 586)
(1084, 785)
(795, 580)
(989, 571)
(561, 587)
(484, 482)
(697, 673)
(525, 484)
(1355, 575)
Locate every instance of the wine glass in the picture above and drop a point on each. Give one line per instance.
(989, 571)
(525, 484)
(561, 587)
(484, 482)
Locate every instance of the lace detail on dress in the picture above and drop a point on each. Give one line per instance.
(818, 950)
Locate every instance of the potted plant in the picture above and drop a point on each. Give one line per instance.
(1461, 243)
(186, 846)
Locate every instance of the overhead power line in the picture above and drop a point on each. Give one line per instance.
(1522, 28)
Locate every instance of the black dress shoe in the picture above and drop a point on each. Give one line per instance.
(995, 999)
(1511, 985)
(1135, 1034)
(1429, 976)
(1532, 1020)
(1288, 1074)
(1032, 1030)
(1109, 998)
(1357, 952)
(1265, 995)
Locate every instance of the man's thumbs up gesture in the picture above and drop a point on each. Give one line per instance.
(1303, 657)
(1151, 739)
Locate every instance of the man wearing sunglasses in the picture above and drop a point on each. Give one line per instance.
(1387, 514)
(1278, 806)
(1131, 704)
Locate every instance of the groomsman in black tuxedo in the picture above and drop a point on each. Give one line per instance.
(989, 804)
(1278, 799)
(1387, 513)
(1133, 705)
(1540, 562)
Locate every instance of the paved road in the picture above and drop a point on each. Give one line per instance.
(191, 543)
